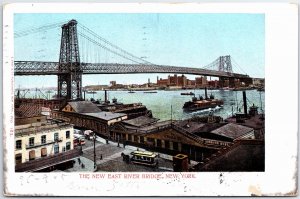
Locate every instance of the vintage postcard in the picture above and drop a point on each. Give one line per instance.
(150, 99)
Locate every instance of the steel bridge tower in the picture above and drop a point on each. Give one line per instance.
(225, 64)
(70, 71)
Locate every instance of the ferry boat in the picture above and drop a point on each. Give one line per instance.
(202, 103)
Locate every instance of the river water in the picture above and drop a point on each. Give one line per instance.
(160, 102)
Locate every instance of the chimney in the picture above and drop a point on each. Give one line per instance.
(245, 102)
(206, 93)
(105, 96)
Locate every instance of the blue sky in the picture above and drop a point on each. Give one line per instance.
(192, 40)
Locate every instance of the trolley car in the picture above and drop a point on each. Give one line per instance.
(144, 158)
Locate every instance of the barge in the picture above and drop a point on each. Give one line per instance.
(190, 93)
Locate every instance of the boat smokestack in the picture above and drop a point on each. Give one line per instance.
(245, 102)
(105, 96)
(206, 93)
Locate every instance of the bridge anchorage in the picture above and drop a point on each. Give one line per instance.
(70, 67)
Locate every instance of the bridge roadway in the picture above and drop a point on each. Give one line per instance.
(52, 68)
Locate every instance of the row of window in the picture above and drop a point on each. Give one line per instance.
(43, 140)
(43, 152)
(56, 147)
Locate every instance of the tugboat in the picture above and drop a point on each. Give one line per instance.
(201, 104)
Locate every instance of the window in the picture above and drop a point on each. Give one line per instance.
(142, 139)
(175, 146)
(18, 144)
(67, 134)
(43, 139)
(158, 142)
(56, 148)
(55, 136)
(43, 152)
(18, 158)
(129, 137)
(68, 146)
(32, 155)
(31, 141)
(151, 140)
(167, 144)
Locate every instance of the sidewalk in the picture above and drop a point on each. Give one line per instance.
(88, 165)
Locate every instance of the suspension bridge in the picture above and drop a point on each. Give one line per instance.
(77, 58)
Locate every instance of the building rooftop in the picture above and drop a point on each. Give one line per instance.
(156, 126)
(244, 155)
(106, 115)
(256, 122)
(196, 127)
(232, 130)
(84, 107)
(27, 110)
(189, 126)
(140, 121)
(28, 129)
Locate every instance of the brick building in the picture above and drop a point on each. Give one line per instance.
(182, 81)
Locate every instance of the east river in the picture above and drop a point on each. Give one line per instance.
(160, 102)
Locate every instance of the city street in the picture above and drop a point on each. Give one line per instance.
(112, 160)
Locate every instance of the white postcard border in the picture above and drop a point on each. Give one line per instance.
(281, 60)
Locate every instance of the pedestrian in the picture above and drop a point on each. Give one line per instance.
(81, 151)
(79, 161)
(101, 157)
(82, 166)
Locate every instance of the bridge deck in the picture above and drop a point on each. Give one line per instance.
(52, 68)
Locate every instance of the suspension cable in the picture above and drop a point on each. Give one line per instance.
(239, 67)
(114, 46)
(106, 48)
(25, 32)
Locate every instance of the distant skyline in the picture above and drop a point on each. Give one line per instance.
(191, 40)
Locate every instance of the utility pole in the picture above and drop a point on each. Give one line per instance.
(260, 102)
(171, 114)
(95, 165)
